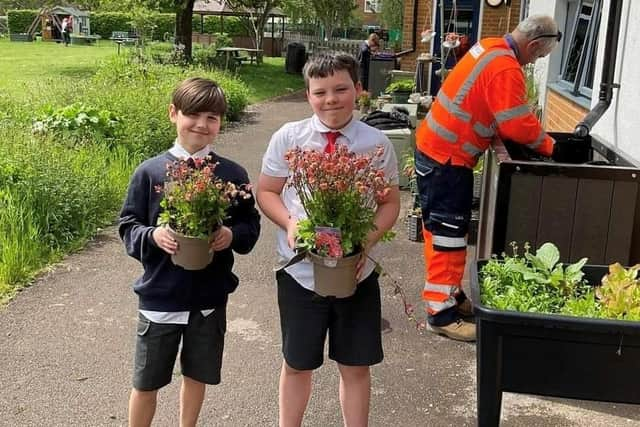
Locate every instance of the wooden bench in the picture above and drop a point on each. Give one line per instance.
(124, 37)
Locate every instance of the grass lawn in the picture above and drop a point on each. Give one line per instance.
(22, 63)
(269, 79)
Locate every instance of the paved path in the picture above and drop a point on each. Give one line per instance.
(66, 342)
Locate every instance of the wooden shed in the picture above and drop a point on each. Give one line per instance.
(51, 19)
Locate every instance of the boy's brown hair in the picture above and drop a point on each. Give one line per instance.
(198, 95)
(327, 63)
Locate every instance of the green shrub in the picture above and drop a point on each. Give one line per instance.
(20, 20)
(105, 23)
(77, 123)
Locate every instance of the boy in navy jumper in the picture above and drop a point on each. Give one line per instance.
(175, 304)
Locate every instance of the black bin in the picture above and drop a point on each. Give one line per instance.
(296, 57)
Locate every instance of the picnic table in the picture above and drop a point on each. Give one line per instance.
(240, 55)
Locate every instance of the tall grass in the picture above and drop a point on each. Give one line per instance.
(58, 188)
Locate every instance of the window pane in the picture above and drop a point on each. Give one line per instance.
(592, 63)
(575, 51)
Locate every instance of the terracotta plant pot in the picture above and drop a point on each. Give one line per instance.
(335, 277)
(193, 253)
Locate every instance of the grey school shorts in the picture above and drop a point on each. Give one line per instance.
(157, 346)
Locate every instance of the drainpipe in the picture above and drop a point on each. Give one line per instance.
(414, 40)
(608, 72)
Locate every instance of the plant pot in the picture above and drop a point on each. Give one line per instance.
(193, 253)
(334, 276)
(553, 355)
(400, 97)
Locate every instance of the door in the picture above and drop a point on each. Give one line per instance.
(461, 17)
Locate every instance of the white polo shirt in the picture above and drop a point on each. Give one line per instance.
(359, 137)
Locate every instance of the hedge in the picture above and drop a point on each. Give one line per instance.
(105, 23)
(20, 20)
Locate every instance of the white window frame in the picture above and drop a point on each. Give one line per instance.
(372, 6)
(589, 48)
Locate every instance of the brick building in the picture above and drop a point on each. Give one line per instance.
(473, 18)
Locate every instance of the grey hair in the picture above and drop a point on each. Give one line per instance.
(536, 25)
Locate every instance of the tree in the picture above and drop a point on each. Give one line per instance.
(334, 13)
(257, 16)
(184, 30)
(391, 13)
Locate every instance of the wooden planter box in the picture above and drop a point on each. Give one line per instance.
(553, 355)
(586, 201)
(21, 37)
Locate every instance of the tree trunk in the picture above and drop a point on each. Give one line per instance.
(184, 13)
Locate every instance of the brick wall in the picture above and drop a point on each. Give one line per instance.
(561, 114)
(498, 21)
(495, 21)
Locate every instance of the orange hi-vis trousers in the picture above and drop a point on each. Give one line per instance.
(443, 275)
(445, 195)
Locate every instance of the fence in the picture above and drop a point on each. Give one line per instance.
(313, 44)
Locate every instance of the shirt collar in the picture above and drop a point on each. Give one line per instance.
(513, 45)
(179, 152)
(349, 131)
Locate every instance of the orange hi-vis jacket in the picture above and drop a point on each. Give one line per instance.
(484, 96)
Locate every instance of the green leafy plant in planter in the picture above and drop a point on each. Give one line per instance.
(540, 283)
(400, 90)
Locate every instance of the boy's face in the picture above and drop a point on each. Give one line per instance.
(195, 131)
(333, 98)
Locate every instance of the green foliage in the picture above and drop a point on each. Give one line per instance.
(77, 122)
(620, 292)
(391, 13)
(54, 196)
(20, 20)
(105, 23)
(339, 190)
(194, 201)
(402, 85)
(334, 13)
(539, 283)
(544, 268)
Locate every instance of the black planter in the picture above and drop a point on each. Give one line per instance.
(553, 355)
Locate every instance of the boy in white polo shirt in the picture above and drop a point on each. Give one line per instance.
(353, 323)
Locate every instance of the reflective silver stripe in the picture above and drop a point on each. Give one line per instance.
(471, 149)
(440, 130)
(437, 307)
(538, 142)
(449, 242)
(441, 289)
(452, 108)
(512, 113)
(483, 131)
(475, 72)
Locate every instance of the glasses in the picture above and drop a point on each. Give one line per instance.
(557, 36)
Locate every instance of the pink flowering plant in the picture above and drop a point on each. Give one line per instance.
(339, 192)
(195, 201)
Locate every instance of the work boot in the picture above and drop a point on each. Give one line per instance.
(458, 330)
(465, 308)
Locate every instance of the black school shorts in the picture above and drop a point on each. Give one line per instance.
(354, 324)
